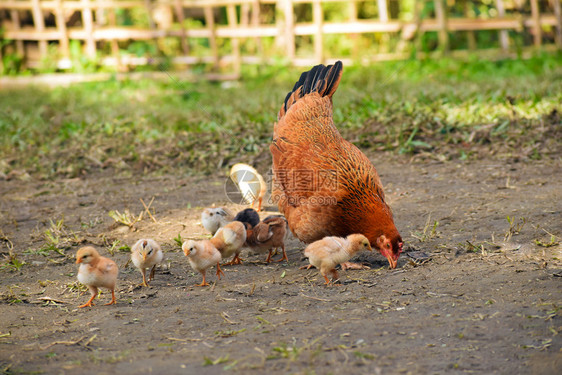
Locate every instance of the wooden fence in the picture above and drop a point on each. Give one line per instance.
(37, 30)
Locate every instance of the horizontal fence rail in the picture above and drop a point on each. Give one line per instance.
(230, 33)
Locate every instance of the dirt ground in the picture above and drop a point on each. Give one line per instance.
(473, 293)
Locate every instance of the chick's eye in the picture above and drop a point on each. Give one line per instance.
(388, 245)
(150, 252)
(211, 214)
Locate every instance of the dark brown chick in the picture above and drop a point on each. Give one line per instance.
(268, 235)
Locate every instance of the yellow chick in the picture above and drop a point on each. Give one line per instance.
(250, 183)
(215, 218)
(202, 255)
(229, 240)
(96, 271)
(328, 252)
(146, 253)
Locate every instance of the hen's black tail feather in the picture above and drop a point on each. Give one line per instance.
(321, 79)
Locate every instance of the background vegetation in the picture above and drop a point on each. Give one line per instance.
(355, 46)
(444, 109)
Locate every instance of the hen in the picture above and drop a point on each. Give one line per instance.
(323, 184)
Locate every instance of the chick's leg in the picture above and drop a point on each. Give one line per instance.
(93, 293)
(219, 271)
(113, 300)
(335, 276)
(235, 260)
(268, 260)
(284, 255)
(353, 266)
(152, 273)
(143, 271)
(204, 282)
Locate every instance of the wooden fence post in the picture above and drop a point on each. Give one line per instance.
(232, 23)
(418, 20)
(15, 14)
(441, 15)
(178, 7)
(504, 39)
(470, 36)
(535, 15)
(558, 14)
(210, 21)
(383, 17)
(61, 26)
(286, 8)
(256, 12)
(352, 10)
(112, 18)
(88, 22)
(318, 19)
(39, 23)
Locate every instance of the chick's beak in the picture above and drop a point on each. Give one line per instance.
(143, 257)
(78, 260)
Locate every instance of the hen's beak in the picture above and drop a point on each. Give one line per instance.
(391, 261)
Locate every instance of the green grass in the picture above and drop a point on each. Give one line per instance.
(445, 109)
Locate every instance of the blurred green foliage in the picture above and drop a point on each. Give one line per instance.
(444, 109)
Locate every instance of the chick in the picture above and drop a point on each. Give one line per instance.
(250, 183)
(146, 253)
(96, 271)
(202, 255)
(214, 218)
(248, 215)
(229, 241)
(268, 235)
(328, 252)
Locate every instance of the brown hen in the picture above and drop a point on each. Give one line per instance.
(323, 184)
